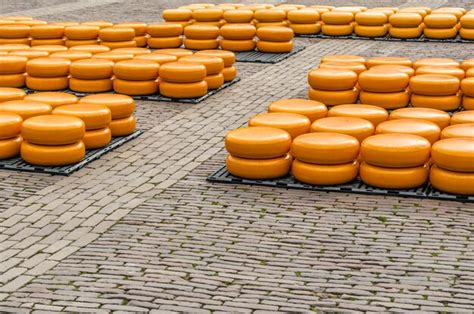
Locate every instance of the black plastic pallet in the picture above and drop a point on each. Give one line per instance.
(18, 164)
(264, 57)
(157, 97)
(289, 182)
(422, 38)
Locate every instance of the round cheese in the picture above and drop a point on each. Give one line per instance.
(333, 98)
(207, 15)
(12, 64)
(371, 18)
(306, 29)
(156, 57)
(446, 103)
(183, 90)
(92, 69)
(374, 114)
(405, 33)
(136, 70)
(52, 155)
(113, 56)
(444, 33)
(47, 31)
(48, 67)
(423, 128)
(182, 72)
(405, 20)
(375, 61)
(332, 79)
(462, 117)
(435, 62)
(383, 82)
(445, 70)
(294, 124)
(99, 138)
(135, 87)
(371, 31)
(356, 127)
(275, 34)
(70, 43)
(337, 18)
(259, 169)
(177, 14)
(325, 174)
(81, 32)
(90, 48)
(440, 21)
(353, 66)
(201, 32)
(94, 116)
(393, 178)
(119, 44)
(467, 86)
(53, 130)
(10, 125)
(178, 52)
(238, 16)
(313, 110)
(47, 83)
(123, 127)
(337, 30)
(140, 28)
(458, 130)
(434, 84)
(164, 42)
(90, 86)
(270, 15)
(165, 30)
(201, 44)
(227, 56)
(274, 47)
(121, 106)
(229, 73)
(304, 16)
(451, 181)
(214, 81)
(10, 148)
(237, 45)
(14, 31)
(54, 99)
(468, 103)
(10, 93)
(439, 117)
(455, 154)
(29, 54)
(12, 80)
(214, 65)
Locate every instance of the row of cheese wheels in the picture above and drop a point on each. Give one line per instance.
(394, 82)
(136, 71)
(56, 129)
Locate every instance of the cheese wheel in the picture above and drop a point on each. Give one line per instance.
(294, 124)
(201, 32)
(434, 84)
(332, 79)
(462, 117)
(47, 31)
(393, 178)
(337, 18)
(29, 54)
(304, 16)
(135, 87)
(271, 24)
(15, 41)
(383, 82)
(182, 72)
(274, 47)
(313, 110)
(92, 69)
(337, 30)
(9, 93)
(207, 15)
(237, 45)
(123, 127)
(227, 56)
(140, 28)
(444, 70)
(238, 31)
(405, 33)
(165, 42)
(121, 106)
(458, 130)
(275, 34)
(214, 65)
(305, 29)
(54, 99)
(451, 181)
(10, 125)
(371, 18)
(446, 103)
(94, 116)
(439, 117)
(72, 55)
(270, 15)
(455, 154)
(325, 175)
(156, 57)
(12, 80)
(48, 67)
(87, 42)
(10, 148)
(356, 127)
(12, 64)
(440, 21)
(136, 70)
(93, 49)
(113, 56)
(371, 31)
(81, 32)
(141, 41)
(52, 155)
(229, 73)
(50, 48)
(353, 66)
(182, 23)
(238, 16)
(214, 81)
(325, 148)
(467, 33)
(467, 21)
(201, 44)
(405, 20)
(90, 86)
(467, 86)
(374, 114)
(177, 14)
(165, 30)
(119, 44)
(435, 62)
(333, 98)
(423, 128)
(47, 83)
(258, 142)
(183, 90)
(377, 61)
(213, 24)
(99, 138)
(259, 169)
(14, 31)
(100, 24)
(468, 103)
(178, 52)
(135, 51)
(444, 33)
(47, 42)
(53, 130)
(343, 58)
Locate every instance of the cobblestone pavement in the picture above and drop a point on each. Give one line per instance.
(140, 229)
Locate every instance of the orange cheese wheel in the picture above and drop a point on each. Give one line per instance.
(87, 42)
(467, 86)
(113, 56)
(165, 30)
(313, 110)
(437, 33)
(201, 32)
(434, 84)
(306, 29)
(467, 21)
(446, 103)
(53, 130)
(214, 65)
(458, 130)
(48, 67)
(49, 48)
(92, 69)
(346, 65)
(94, 116)
(333, 98)
(466, 65)
(81, 32)
(182, 72)
(238, 45)
(294, 124)
(462, 117)
(99, 138)
(207, 15)
(213, 24)
(445, 70)
(121, 106)
(201, 44)
(12, 80)
(9, 93)
(370, 113)
(14, 31)
(123, 127)
(383, 82)
(467, 33)
(164, 42)
(178, 52)
(14, 47)
(259, 169)
(468, 103)
(371, 18)
(52, 155)
(316, 174)
(238, 16)
(393, 178)
(395, 150)
(337, 30)
(183, 90)
(72, 55)
(356, 127)
(227, 56)
(214, 81)
(440, 21)
(156, 57)
(371, 31)
(337, 18)
(270, 15)
(439, 117)
(271, 24)
(405, 33)
(47, 31)
(375, 61)
(100, 24)
(274, 47)
(119, 44)
(136, 70)
(451, 181)
(229, 73)
(455, 154)
(15, 41)
(435, 62)
(140, 28)
(423, 128)
(390, 68)
(54, 99)
(238, 31)
(90, 86)
(275, 34)
(141, 41)
(10, 125)
(12, 64)
(47, 83)
(47, 42)
(91, 48)
(258, 142)
(405, 20)
(325, 148)
(177, 14)
(332, 79)
(304, 16)
(29, 54)
(10, 148)
(135, 87)
(182, 23)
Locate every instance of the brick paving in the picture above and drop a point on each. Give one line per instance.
(140, 229)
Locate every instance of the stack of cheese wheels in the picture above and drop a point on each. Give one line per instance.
(53, 99)
(183, 80)
(136, 77)
(238, 37)
(293, 123)
(441, 118)
(123, 121)
(333, 86)
(78, 35)
(12, 71)
(47, 35)
(438, 91)
(96, 119)
(275, 39)
(337, 23)
(258, 153)
(395, 161)
(11, 93)
(406, 25)
(371, 24)
(353, 126)
(387, 89)
(208, 17)
(304, 21)
(238, 16)
(270, 17)
(374, 114)
(45, 74)
(201, 37)
(91, 75)
(178, 16)
(14, 34)
(117, 37)
(453, 169)
(10, 139)
(165, 35)
(313, 110)
(440, 26)
(140, 31)
(467, 27)
(214, 67)
(229, 71)
(52, 140)
(424, 128)
(325, 158)
(467, 87)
